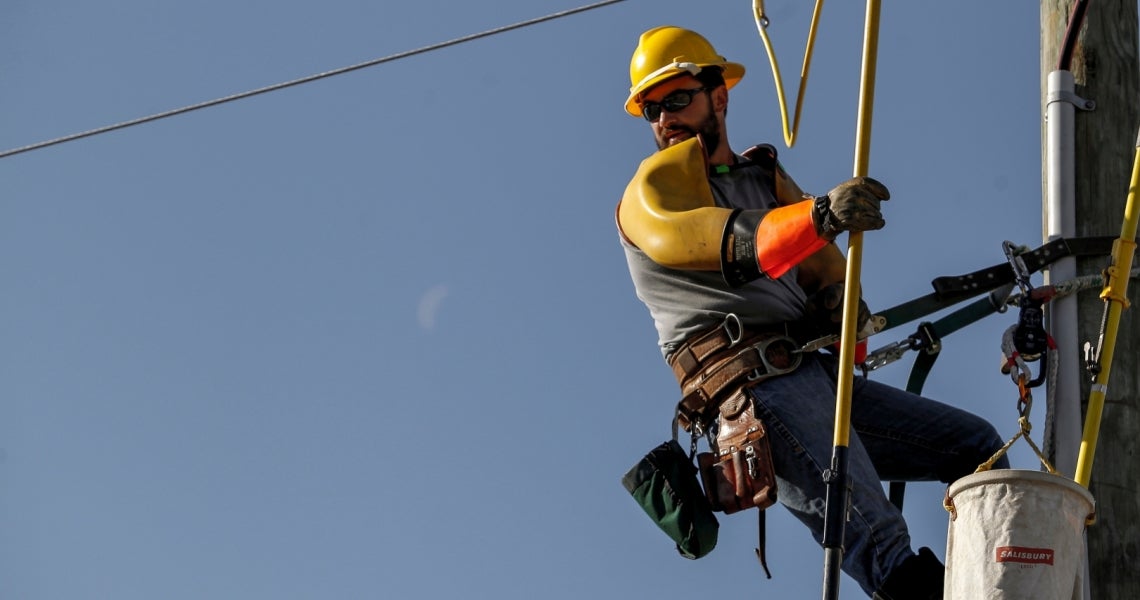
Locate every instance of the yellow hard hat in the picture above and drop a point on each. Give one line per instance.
(664, 52)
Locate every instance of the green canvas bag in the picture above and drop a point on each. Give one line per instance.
(666, 486)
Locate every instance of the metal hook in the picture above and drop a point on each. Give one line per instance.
(758, 8)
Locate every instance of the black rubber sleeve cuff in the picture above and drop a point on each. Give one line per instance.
(738, 261)
(823, 219)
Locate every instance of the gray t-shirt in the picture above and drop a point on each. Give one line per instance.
(684, 302)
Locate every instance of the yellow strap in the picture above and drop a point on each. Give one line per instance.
(762, 27)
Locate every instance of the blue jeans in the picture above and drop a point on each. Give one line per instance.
(897, 436)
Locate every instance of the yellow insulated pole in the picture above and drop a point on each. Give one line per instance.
(855, 240)
(1115, 295)
(838, 493)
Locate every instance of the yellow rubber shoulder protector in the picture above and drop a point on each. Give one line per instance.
(668, 209)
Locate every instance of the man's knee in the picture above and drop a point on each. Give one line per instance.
(972, 455)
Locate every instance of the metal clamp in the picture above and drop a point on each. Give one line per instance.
(1070, 98)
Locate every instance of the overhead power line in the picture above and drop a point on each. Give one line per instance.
(310, 78)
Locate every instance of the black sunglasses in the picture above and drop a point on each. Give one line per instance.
(673, 102)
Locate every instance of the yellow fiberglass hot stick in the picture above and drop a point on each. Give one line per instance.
(762, 27)
(837, 477)
(1115, 295)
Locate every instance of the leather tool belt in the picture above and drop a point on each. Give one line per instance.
(712, 365)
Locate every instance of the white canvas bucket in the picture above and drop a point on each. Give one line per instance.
(1016, 534)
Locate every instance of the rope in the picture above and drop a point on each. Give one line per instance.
(302, 80)
(1025, 428)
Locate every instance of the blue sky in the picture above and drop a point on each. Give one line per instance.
(373, 337)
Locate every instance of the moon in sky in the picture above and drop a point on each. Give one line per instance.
(429, 306)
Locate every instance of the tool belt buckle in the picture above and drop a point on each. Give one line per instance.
(777, 355)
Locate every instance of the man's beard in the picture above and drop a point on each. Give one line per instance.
(708, 130)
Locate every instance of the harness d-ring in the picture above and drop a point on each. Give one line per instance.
(733, 337)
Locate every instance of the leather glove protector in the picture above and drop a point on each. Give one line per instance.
(852, 206)
(824, 310)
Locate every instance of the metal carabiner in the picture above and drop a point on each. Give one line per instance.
(1020, 271)
(1044, 369)
(887, 354)
(1022, 375)
(1024, 397)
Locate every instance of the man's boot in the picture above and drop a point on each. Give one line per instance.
(919, 577)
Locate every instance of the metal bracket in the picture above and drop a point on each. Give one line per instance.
(1071, 98)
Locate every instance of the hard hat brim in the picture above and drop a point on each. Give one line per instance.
(732, 72)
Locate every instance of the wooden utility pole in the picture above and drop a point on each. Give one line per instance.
(1106, 71)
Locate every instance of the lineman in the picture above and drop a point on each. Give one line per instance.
(716, 239)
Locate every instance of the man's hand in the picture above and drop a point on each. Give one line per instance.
(824, 309)
(852, 206)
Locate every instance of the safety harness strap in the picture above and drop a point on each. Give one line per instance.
(761, 535)
(951, 290)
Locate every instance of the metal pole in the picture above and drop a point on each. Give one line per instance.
(836, 478)
(1063, 435)
(1060, 221)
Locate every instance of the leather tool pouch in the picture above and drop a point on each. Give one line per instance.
(738, 474)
